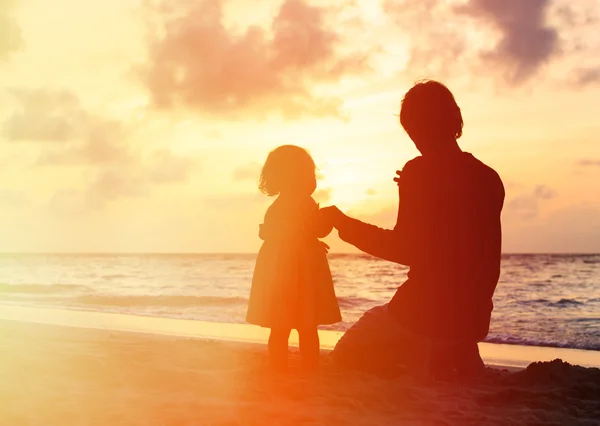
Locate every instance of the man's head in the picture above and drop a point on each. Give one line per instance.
(430, 116)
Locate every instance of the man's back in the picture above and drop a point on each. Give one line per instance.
(449, 216)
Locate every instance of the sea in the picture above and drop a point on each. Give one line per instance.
(548, 300)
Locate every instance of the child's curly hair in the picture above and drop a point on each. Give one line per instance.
(287, 166)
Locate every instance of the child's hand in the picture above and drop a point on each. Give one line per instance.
(397, 178)
(324, 246)
(332, 215)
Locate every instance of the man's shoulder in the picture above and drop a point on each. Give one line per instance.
(474, 164)
(413, 165)
(484, 169)
(488, 179)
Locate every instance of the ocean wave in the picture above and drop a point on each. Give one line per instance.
(562, 303)
(586, 319)
(533, 302)
(114, 276)
(41, 288)
(524, 341)
(164, 300)
(351, 302)
(567, 302)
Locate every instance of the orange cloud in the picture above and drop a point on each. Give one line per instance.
(323, 196)
(247, 172)
(436, 47)
(166, 167)
(194, 61)
(589, 163)
(125, 181)
(69, 135)
(43, 115)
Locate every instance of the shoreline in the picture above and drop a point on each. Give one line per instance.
(503, 355)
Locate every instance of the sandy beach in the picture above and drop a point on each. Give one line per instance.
(55, 375)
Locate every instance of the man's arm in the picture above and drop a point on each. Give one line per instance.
(383, 243)
(392, 245)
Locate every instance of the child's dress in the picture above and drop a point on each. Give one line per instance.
(292, 286)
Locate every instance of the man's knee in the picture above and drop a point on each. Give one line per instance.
(467, 360)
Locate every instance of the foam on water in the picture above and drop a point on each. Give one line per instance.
(541, 300)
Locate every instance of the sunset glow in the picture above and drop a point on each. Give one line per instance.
(142, 125)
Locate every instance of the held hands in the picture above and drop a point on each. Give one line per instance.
(332, 215)
(267, 232)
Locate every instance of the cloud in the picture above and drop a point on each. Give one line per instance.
(68, 134)
(166, 167)
(587, 76)
(10, 33)
(10, 198)
(434, 41)
(589, 163)
(574, 229)
(526, 42)
(132, 180)
(114, 183)
(510, 38)
(194, 61)
(247, 172)
(43, 115)
(67, 202)
(526, 206)
(322, 196)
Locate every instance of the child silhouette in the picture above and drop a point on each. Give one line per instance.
(292, 286)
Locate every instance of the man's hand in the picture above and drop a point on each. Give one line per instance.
(332, 215)
(397, 178)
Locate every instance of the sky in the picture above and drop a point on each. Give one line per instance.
(141, 126)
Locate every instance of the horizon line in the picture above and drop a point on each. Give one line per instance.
(175, 253)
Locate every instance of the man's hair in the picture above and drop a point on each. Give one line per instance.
(429, 108)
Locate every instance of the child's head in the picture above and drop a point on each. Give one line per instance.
(289, 169)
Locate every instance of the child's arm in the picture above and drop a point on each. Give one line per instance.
(266, 229)
(322, 226)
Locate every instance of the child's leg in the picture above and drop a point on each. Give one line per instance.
(278, 347)
(309, 347)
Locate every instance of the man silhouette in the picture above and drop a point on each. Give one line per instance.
(448, 232)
